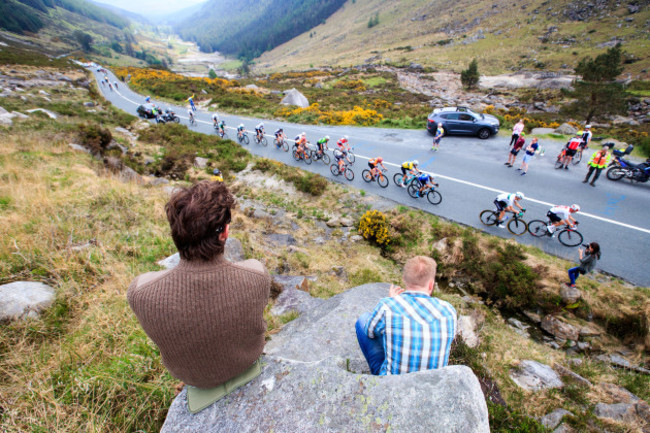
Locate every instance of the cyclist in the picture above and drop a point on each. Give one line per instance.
(409, 167)
(190, 113)
(215, 119)
(561, 215)
(343, 143)
(279, 137)
(425, 181)
(374, 171)
(191, 101)
(301, 145)
(217, 177)
(259, 131)
(222, 127)
(436, 138)
(586, 137)
(110, 86)
(322, 143)
(570, 150)
(115, 84)
(507, 202)
(339, 156)
(147, 99)
(241, 130)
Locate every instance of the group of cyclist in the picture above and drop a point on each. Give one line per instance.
(576, 144)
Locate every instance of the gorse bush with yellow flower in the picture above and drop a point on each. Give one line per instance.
(313, 114)
(374, 226)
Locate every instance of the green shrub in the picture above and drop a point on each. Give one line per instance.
(94, 137)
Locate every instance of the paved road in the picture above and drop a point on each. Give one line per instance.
(471, 173)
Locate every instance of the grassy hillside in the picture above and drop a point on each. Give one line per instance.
(249, 27)
(504, 36)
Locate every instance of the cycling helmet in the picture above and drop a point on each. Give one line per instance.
(327, 137)
(216, 172)
(380, 159)
(523, 134)
(303, 134)
(241, 125)
(587, 126)
(579, 133)
(575, 208)
(262, 125)
(346, 137)
(416, 163)
(519, 195)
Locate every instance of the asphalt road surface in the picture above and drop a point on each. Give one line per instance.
(471, 172)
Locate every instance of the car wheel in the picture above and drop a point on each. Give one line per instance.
(484, 134)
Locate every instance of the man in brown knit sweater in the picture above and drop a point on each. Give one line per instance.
(206, 314)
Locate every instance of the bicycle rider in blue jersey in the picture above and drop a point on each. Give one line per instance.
(425, 181)
(409, 167)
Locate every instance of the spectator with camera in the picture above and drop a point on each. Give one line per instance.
(587, 262)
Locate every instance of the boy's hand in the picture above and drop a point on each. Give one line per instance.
(395, 291)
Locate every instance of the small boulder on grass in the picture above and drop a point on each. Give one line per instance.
(24, 300)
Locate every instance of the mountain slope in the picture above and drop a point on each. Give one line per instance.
(249, 27)
(503, 35)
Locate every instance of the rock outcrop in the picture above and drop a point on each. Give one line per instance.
(24, 300)
(315, 379)
(294, 97)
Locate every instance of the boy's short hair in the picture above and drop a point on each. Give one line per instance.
(418, 271)
(197, 216)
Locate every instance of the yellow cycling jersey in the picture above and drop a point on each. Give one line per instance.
(408, 165)
(217, 178)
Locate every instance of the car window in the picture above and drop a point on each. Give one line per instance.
(465, 116)
(452, 116)
(444, 116)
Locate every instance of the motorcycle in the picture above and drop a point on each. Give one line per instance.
(170, 116)
(619, 153)
(635, 172)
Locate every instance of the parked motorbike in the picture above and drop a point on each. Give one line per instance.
(619, 153)
(170, 116)
(625, 169)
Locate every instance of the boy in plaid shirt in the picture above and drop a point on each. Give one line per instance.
(408, 331)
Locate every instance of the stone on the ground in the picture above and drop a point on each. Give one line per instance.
(356, 238)
(565, 129)
(233, 252)
(24, 299)
(570, 374)
(313, 381)
(294, 97)
(533, 316)
(468, 329)
(333, 223)
(6, 120)
(560, 329)
(281, 240)
(618, 393)
(347, 222)
(200, 162)
(542, 131)
(534, 376)
(624, 412)
(570, 295)
(19, 115)
(553, 419)
(78, 148)
(294, 296)
(619, 361)
(89, 104)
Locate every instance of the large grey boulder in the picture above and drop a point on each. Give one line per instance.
(233, 252)
(314, 380)
(294, 97)
(566, 129)
(559, 328)
(49, 113)
(294, 297)
(24, 299)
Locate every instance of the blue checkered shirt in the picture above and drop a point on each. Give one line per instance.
(417, 331)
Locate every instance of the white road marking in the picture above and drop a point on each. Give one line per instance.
(453, 179)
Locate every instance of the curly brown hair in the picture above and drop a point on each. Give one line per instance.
(197, 216)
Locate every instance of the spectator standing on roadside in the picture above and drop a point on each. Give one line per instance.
(206, 314)
(587, 263)
(516, 131)
(586, 137)
(410, 330)
(515, 150)
(529, 152)
(597, 163)
(436, 138)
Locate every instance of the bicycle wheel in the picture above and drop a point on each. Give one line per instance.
(412, 190)
(558, 162)
(176, 119)
(285, 146)
(489, 217)
(577, 158)
(276, 142)
(434, 197)
(517, 227)
(295, 155)
(326, 159)
(365, 174)
(570, 238)
(264, 141)
(397, 179)
(334, 168)
(349, 174)
(382, 180)
(224, 136)
(307, 158)
(537, 228)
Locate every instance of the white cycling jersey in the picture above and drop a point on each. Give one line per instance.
(215, 117)
(508, 198)
(260, 126)
(561, 211)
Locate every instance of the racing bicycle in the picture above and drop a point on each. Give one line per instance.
(516, 225)
(381, 179)
(569, 236)
(343, 169)
(432, 195)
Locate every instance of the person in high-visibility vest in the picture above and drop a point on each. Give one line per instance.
(598, 161)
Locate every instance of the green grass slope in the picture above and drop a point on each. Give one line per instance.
(503, 35)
